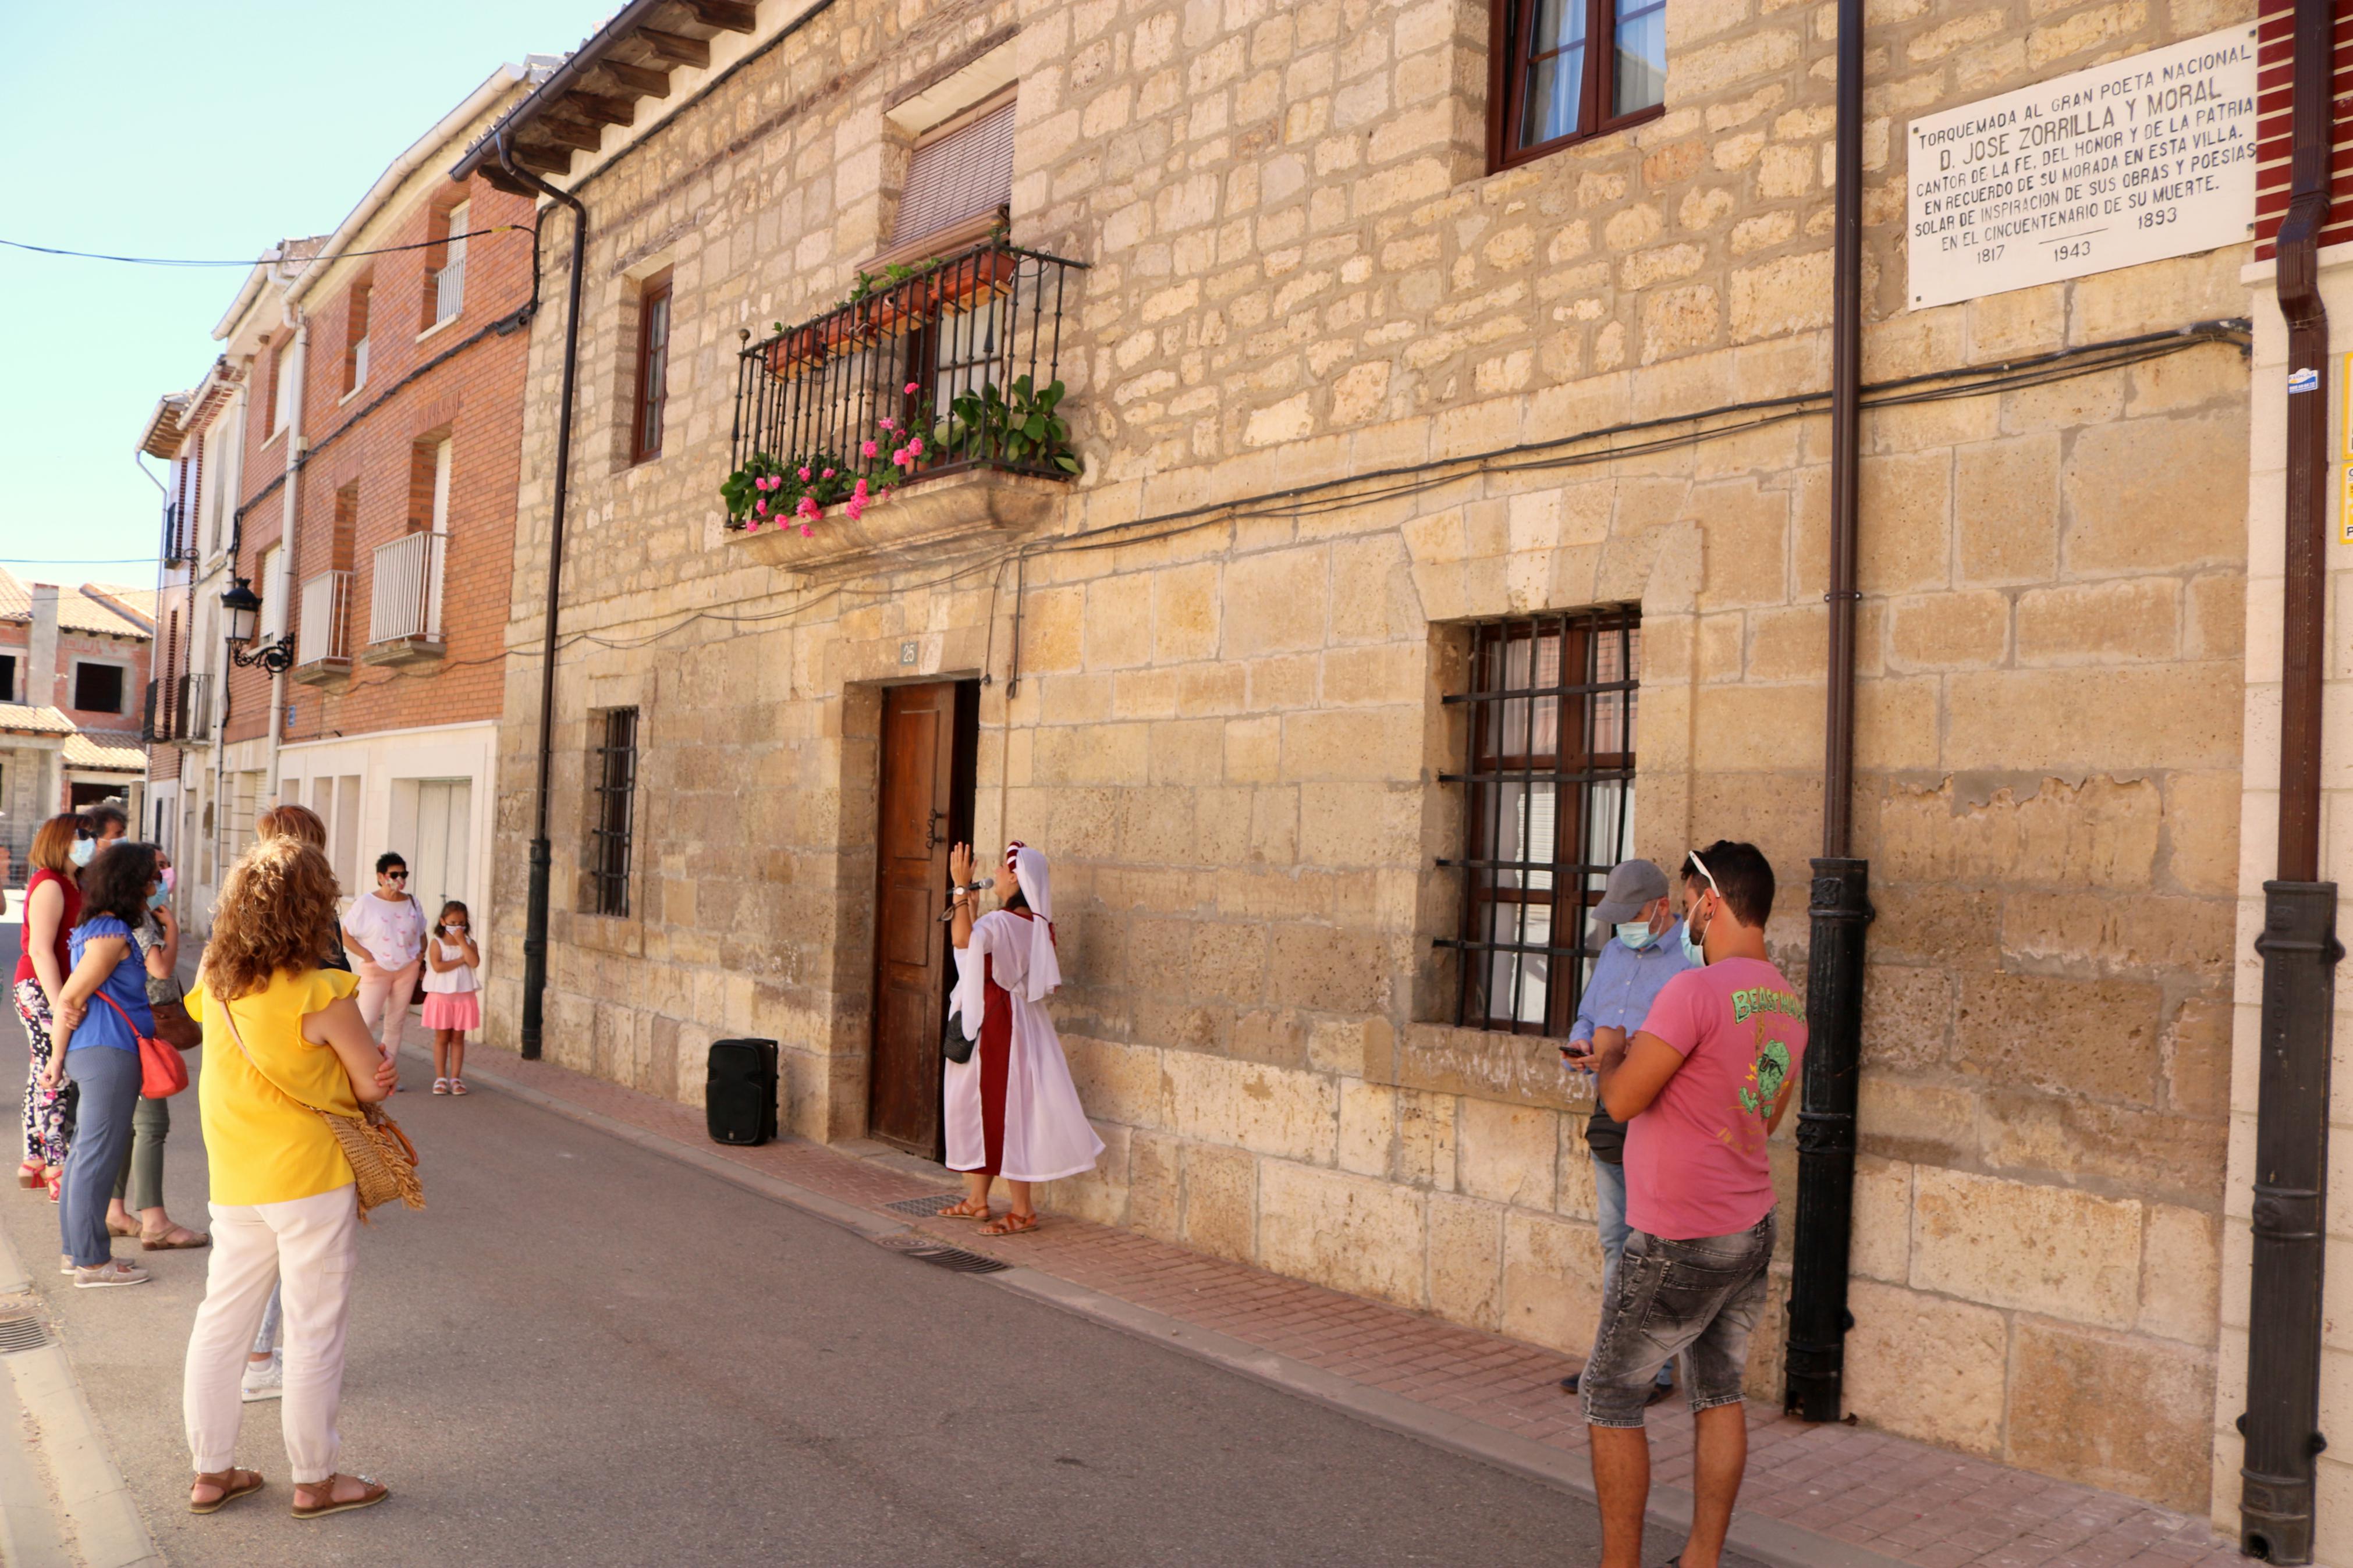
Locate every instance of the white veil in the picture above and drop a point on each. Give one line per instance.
(1036, 881)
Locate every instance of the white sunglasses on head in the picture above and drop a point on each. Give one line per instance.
(1702, 867)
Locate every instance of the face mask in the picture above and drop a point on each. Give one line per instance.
(157, 899)
(1695, 954)
(84, 850)
(1636, 934)
(170, 878)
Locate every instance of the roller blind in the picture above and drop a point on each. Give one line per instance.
(965, 172)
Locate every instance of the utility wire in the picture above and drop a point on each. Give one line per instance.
(255, 260)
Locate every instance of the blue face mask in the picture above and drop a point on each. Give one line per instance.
(84, 850)
(159, 898)
(1695, 954)
(1636, 934)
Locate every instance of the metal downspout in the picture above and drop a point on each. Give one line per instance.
(534, 933)
(2299, 945)
(1839, 909)
(289, 520)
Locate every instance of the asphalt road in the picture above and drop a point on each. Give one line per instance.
(583, 1352)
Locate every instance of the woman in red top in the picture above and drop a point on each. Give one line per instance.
(61, 846)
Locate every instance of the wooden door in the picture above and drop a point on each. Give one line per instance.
(911, 952)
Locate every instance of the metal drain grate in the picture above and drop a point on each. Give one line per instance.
(930, 1205)
(953, 1258)
(25, 1333)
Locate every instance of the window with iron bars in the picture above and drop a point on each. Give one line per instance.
(612, 784)
(1548, 809)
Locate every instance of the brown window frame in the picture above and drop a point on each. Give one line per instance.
(651, 405)
(1511, 33)
(1592, 692)
(612, 792)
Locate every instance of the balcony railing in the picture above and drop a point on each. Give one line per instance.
(178, 710)
(192, 709)
(950, 367)
(449, 290)
(406, 606)
(324, 634)
(179, 536)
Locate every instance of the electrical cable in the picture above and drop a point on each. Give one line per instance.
(253, 261)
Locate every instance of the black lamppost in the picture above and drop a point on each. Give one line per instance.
(242, 605)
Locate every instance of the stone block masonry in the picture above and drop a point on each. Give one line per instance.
(1229, 731)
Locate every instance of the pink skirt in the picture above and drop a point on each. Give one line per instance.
(453, 1010)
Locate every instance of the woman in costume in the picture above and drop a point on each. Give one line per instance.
(1012, 1109)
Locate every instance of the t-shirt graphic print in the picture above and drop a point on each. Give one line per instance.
(1695, 1158)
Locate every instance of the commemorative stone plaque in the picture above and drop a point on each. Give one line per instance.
(2146, 157)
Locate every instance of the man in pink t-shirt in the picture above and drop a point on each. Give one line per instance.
(1700, 1086)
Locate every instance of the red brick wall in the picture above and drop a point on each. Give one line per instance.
(476, 398)
(133, 655)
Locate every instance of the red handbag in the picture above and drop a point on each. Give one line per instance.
(161, 1073)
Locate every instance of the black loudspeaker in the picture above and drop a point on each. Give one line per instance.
(738, 1101)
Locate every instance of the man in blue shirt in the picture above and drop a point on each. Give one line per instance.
(1639, 945)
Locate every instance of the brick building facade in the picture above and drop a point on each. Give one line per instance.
(389, 356)
(73, 673)
(1350, 397)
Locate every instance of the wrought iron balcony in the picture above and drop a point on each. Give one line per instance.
(944, 368)
(404, 609)
(449, 291)
(322, 637)
(178, 709)
(179, 546)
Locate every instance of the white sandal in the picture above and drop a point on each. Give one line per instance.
(458, 1086)
(440, 1086)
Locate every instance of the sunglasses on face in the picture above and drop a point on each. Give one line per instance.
(398, 876)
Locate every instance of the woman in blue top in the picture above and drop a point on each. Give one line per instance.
(106, 993)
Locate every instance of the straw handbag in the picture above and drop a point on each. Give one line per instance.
(383, 1162)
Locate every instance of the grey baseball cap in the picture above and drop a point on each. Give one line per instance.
(1632, 884)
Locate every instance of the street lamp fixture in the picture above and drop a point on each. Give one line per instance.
(242, 605)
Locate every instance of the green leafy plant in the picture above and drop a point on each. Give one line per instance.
(1014, 424)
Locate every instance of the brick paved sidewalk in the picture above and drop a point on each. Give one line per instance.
(1901, 1499)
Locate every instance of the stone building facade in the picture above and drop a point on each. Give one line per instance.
(1343, 397)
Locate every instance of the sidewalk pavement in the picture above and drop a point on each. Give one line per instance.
(1815, 1497)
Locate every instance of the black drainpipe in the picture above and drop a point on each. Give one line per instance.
(1815, 1369)
(535, 924)
(2299, 946)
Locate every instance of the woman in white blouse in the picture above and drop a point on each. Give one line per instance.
(385, 934)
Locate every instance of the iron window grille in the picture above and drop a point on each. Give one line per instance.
(613, 789)
(987, 317)
(1566, 69)
(1549, 809)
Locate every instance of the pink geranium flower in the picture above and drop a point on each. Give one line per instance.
(887, 424)
(804, 473)
(860, 490)
(760, 507)
(809, 508)
(913, 387)
(807, 530)
(854, 508)
(867, 448)
(916, 448)
(827, 475)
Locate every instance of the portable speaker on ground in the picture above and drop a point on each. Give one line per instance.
(739, 1102)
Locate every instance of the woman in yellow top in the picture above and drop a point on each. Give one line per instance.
(282, 1036)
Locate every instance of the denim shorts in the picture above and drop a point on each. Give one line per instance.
(1696, 1298)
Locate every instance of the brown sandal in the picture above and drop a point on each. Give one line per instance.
(126, 1229)
(162, 1240)
(1012, 1225)
(372, 1494)
(963, 1209)
(231, 1487)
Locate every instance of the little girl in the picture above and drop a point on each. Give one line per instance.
(452, 995)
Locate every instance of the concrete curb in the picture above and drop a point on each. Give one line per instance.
(1767, 1541)
(108, 1529)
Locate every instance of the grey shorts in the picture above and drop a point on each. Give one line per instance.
(1696, 1298)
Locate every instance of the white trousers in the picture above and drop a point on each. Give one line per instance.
(308, 1247)
(384, 1000)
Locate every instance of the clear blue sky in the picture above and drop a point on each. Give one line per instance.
(165, 128)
